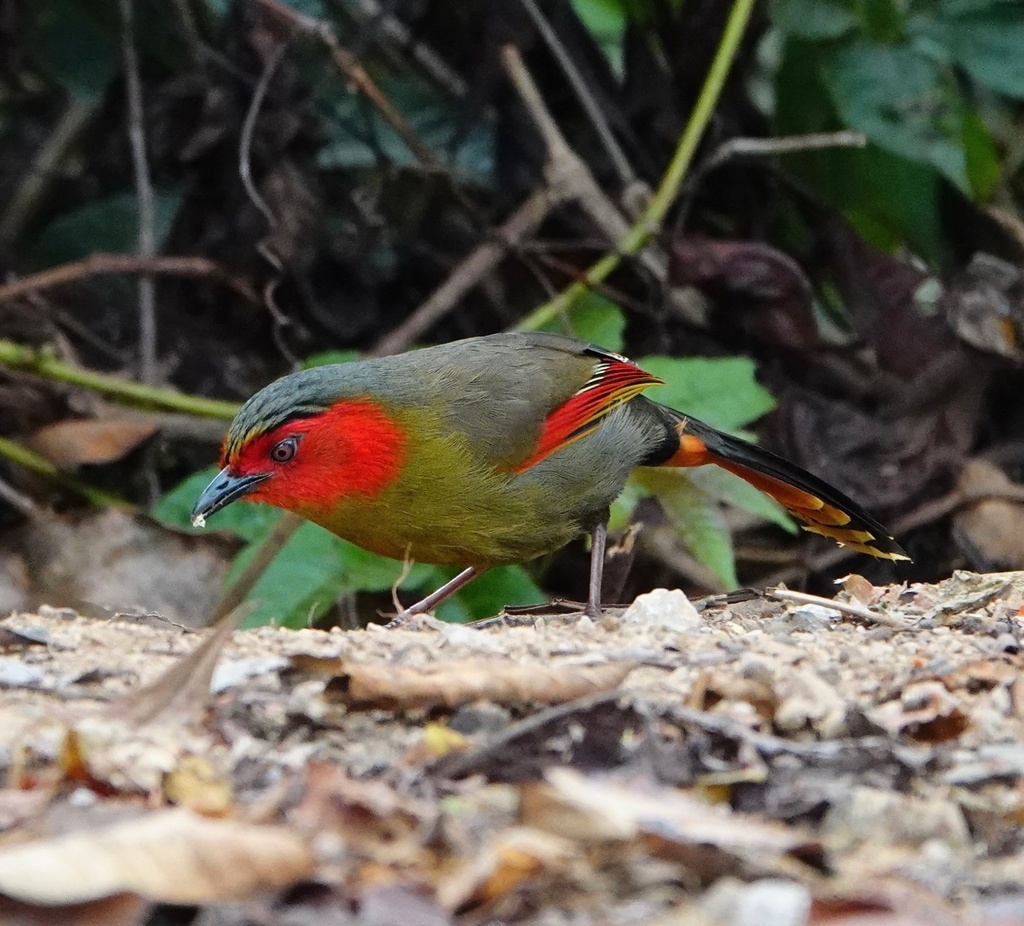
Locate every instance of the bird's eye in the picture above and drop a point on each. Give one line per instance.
(284, 451)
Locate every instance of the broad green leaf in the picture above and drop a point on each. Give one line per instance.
(330, 356)
(594, 319)
(77, 43)
(991, 48)
(301, 582)
(486, 595)
(606, 22)
(814, 19)
(902, 100)
(983, 167)
(108, 225)
(722, 392)
(726, 487)
(360, 136)
(697, 517)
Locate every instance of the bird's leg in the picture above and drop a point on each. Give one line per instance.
(435, 597)
(598, 540)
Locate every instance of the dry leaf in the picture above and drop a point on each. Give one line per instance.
(68, 444)
(593, 811)
(514, 858)
(391, 687)
(990, 531)
(170, 856)
(926, 711)
(196, 784)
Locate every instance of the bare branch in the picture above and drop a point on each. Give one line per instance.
(143, 195)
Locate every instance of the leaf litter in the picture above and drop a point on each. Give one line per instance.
(750, 762)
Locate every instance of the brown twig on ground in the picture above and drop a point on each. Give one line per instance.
(143, 197)
(99, 264)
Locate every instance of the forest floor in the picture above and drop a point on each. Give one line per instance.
(746, 762)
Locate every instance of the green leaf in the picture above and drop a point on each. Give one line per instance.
(697, 517)
(902, 100)
(77, 43)
(108, 225)
(301, 582)
(360, 136)
(723, 392)
(330, 356)
(990, 47)
(487, 595)
(814, 19)
(606, 22)
(983, 166)
(726, 487)
(594, 319)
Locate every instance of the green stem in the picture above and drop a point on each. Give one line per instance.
(18, 357)
(650, 222)
(24, 457)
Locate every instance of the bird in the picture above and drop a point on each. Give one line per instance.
(489, 451)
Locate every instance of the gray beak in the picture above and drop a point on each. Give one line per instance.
(223, 490)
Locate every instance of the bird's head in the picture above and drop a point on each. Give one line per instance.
(303, 444)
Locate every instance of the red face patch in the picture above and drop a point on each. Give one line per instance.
(354, 448)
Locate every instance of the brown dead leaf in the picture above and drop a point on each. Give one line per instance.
(121, 910)
(513, 858)
(593, 811)
(860, 589)
(390, 687)
(170, 856)
(70, 443)
(196, 784)
(990, 531)
(925, 711)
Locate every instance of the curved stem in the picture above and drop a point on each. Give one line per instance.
(19, 357)
(650, 221)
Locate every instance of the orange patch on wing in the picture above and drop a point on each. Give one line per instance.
(614, 382)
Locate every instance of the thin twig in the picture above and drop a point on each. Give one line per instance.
(30, 192)
(18, 500)
(566, 171)
(350, 66)
(18, 357)
(845, 607)
(653, 217)
(787, 144)
(615, 153)
(266, 245)
(100, 264)
(469, 272)
(395, 31)
(143, 197)
(248, 127)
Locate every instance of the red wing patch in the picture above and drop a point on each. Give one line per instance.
(615, 380)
